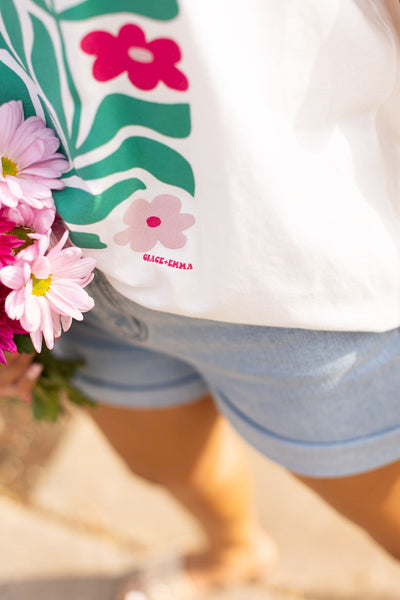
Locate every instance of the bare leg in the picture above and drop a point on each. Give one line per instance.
(192, 451)
(372, 500)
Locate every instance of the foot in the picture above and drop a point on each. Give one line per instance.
(233, 565)
(191, 576)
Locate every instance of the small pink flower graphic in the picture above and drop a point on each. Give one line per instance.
(147, 63)
(157, 221)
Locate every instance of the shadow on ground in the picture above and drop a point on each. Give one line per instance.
(63, 588)
(105, 588)
(362, 596)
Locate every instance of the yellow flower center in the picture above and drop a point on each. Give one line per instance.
(9, 166)
(40, 286)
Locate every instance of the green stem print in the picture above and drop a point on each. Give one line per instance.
(162, 10)
(11, 22)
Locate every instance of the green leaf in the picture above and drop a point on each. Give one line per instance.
(117, 111)
(24, 344)
(75, 396)
(81, 208)
(54, 384)
(56, 369)
(156, 158)
(162, 10)
(46, 68)
(46, 404)
(12, 24)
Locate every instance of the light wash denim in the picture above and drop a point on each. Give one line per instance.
(319, 403)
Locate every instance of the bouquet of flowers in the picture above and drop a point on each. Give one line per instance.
(42, 275)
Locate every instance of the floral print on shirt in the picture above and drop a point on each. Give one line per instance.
(147, 63)
(157, 221)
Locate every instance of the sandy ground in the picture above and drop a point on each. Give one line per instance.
(74, 522)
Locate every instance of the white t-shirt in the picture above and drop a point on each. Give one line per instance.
(236, 160)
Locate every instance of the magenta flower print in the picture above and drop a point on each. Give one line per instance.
(147, 63)
(157, 221)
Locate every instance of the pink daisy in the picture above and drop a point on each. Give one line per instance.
(48, 293)
(30, 166)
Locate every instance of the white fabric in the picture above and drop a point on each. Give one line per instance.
(294, 146)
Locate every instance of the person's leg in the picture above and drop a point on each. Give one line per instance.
(192, 451)
(371, 500)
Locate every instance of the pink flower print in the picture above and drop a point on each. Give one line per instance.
(157, 221)
(147, 63)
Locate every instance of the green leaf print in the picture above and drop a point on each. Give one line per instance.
(10, 18)
(42, 4)
(13, 88)
(160, 160)
(46, 68)
(80, 207)
(118, 110)
(155, 9)
(86, 240)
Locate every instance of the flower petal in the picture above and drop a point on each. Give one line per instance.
(11, 117)
(12, 276)
(36, 337)
(46, 322)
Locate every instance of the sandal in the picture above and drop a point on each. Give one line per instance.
(162, 579)
(167, 578)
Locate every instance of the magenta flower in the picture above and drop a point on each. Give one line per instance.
(6, 337)
(157, 221)
(30, 225)
(48, 293)
(8, 242)
(8, 328)
(147, 63)
(30, 166)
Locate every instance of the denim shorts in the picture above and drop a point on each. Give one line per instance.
(320, 403)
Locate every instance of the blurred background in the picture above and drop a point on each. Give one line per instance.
(74, 522)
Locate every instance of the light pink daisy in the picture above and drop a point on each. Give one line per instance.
(48, 293)
(29, 165)
(160, 220)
